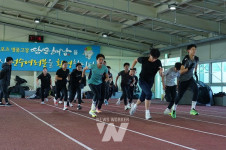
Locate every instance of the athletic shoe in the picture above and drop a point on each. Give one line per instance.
(98, 110)
(2, 104)
(65, 108)
(133, 109)
(173, 114)
(92, 113)
(147, 116)
(42, 102)
(55, 102)
(79, 107)
(82, 101)
(46, 99)
(118, 102)
(8, 104)
(129, 106)
(71, 105)
(167, 111)
(60, 102)
(194, 112)
(105, 102)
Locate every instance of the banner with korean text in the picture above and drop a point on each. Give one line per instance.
(35, 56)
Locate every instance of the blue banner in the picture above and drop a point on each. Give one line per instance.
(35, 56)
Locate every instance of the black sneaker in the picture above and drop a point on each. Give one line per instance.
(79, 107)
(82, 101)
(8, 104)
(2, 104)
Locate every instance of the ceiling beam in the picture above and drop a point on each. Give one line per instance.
(62, 16)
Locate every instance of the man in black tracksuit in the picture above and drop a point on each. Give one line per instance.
(46, 84)
(76, 81)
(132, 87)
(5, 76)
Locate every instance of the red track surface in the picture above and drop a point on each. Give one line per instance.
(28, 125)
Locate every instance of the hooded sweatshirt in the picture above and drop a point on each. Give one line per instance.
(6, 74)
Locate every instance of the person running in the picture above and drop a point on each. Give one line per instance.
(95, 80)
(133, 86)
(150, 66)
(103, 91)
(189, 64)
(46, 84)
(75, 85)
(108, 89)
(126, 80)
(5, 76)
(61, 77)
(169, 85)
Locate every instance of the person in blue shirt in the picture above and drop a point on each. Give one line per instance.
(95, 80)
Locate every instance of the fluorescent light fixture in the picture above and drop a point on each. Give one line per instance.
(104, 35)
(172, 6)
(37, 20)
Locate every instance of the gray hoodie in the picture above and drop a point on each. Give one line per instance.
(6, 69)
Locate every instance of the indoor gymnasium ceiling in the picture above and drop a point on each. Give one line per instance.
(134, 25)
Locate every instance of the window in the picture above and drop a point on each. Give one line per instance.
(204, 73)
(224, 89)
(216, 72)
(170, 61)
(224, 72)
(216, 89)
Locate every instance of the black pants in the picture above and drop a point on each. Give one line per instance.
(102, 96)
(131, 92)
(63, 89)
(73, 91)
(96, 89)
(110, 92)
(44, 92)
(4, 92)
(107, 90)
(125, 93)
(183, 86)
(171, 94)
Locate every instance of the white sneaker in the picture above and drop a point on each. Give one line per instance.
(118, 102)
(167, 111)
(46, 99)
(65, 108)
(147, 116)
(133, 109)
(60, 102)
(126, 108)
(71, 105)
(92, 113)
(129, 106)
(42, 103)
(55, 102)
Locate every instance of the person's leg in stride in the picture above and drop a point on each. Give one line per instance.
(56, 99)
(195, 90)
(107, 92)
(46, 94)
(96, 89)
(101, 101)
(146, 96)
(79, 96)
(72, 95)
(66, 101)
(181, 90)
(61, 97)
(170, 96)
(42, 95)
(131, 91)
(125, 90)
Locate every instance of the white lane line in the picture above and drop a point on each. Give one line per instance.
(136, 132)
(176, 126)
(180, 117)
(59, 131)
